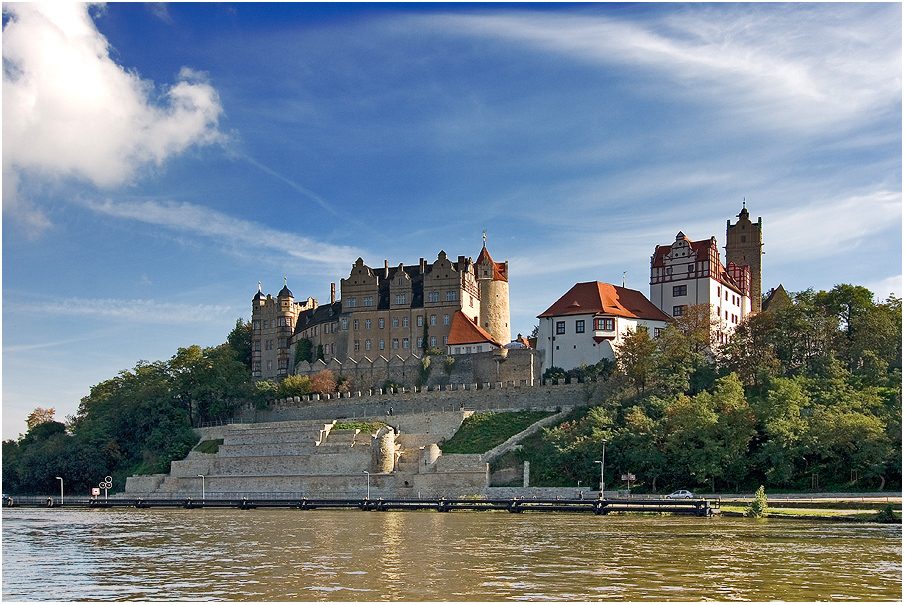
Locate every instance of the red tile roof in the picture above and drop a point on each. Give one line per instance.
(484, 257)
(607, 299)
(465, 332)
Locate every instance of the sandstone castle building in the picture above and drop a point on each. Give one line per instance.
(388, 311)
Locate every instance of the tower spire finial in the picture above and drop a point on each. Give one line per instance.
(259, 286)
(284, 282)
(485, 238)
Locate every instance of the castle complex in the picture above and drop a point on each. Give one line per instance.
(392, 311)
(398, 314)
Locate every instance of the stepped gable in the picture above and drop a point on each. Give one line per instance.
(465, 332)
(600, 298)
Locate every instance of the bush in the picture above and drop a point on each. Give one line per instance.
(294, 386)
(324, 382)
(758, 506)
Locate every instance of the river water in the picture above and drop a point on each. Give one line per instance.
(350, 555)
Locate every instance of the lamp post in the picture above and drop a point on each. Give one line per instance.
(61, 490)
(202, 487)
(600, 462)
(369, 484)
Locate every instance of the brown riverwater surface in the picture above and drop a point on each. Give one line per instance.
(349, 555)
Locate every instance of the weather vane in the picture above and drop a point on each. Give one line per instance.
(485, 237)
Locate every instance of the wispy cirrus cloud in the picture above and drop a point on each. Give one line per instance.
(787, 65)
(140, 311)
(226, 230)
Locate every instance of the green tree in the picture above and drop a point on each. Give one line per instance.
(239, 339)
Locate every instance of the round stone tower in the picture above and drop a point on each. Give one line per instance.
(493, 281)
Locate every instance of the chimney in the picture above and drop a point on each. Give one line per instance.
(332, 293)
(386, 268)
(423, 266)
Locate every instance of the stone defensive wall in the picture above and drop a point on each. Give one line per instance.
(519, 366)
(421, 403)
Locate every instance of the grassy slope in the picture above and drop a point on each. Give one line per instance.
(484, 431)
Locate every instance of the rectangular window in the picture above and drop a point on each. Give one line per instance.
(381, 344)
(678, 310)
(433, 320)
(284, 363)
(420, 320)
(395, 343)
(420, 342)
(265, 324)
(400, 299)
(351, 302)
(478, 348)
(405, 322)
(395, 322)
(468, 349)
(405, 343)
(400, 281)
(368, 345)
(257, 324)
(257, 345)
(579, 326)
(458, 350)
(356, 345)
(445, 320)
(657, 332)
(367, 301)
(607, 324)
(380, 323)
(345, 324)
(433, 341)
(433, 297)
(367, 324)
(560, 327)
(680, 290)
(283, 344)
(355, 324)
(450, 295)
(691, 268)
(445, 340)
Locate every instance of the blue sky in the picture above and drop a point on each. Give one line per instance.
(161, 159)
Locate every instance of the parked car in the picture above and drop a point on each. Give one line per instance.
(680, 494)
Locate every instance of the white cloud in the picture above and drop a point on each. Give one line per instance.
(139, 311)
(799, 67)
(833, 227)
(227, 230)
(70, 111)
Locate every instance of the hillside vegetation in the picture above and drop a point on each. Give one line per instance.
(806, 395)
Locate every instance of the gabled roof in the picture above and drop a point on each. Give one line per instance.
(463, 331)
(701, 249)
(484, 257)
(599, 298)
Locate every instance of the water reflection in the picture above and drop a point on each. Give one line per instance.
(287, 555)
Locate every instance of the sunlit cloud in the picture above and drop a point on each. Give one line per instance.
(227, 230)
(789, 66)
(140, 311)
(69, 111)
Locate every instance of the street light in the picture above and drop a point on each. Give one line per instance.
(369, 483)
(202, 487)
(600, 462)
(61, 490)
